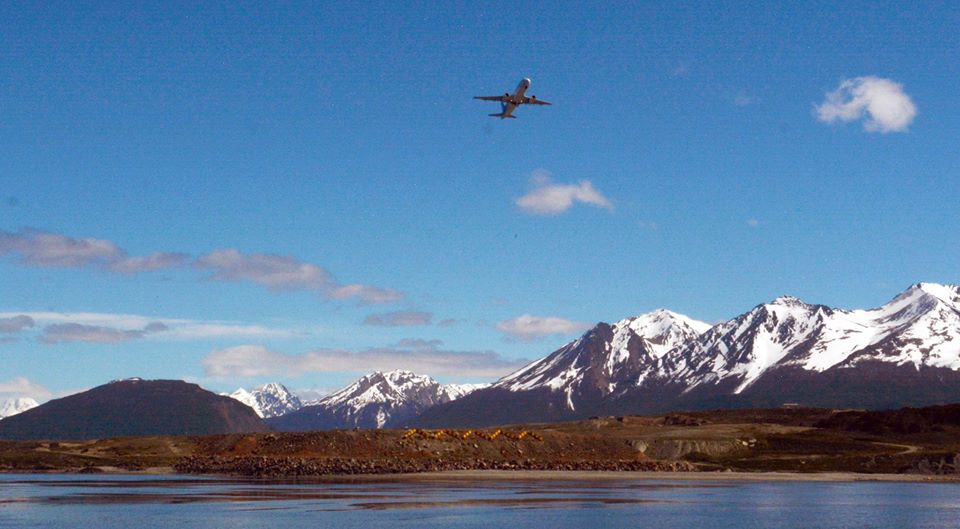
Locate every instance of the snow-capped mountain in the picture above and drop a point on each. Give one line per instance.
(268, 400)
(607, 358)
(918, 328)
(14, 406)
(376, 400)
(906, 352)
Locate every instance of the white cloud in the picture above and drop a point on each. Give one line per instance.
(45, 249)
(283, 273)
(528, 327)
(416, 355)
(176, 328)
(21, 387)
(549, 198)
(400, 318)
(887, 107)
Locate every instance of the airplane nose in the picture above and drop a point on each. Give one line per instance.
(526, 81)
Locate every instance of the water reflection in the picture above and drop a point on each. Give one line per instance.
(99, 502)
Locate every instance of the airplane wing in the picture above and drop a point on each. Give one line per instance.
(534, 101)
(490, 98)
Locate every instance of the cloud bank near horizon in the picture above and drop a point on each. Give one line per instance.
(529, 327)
(415, 355)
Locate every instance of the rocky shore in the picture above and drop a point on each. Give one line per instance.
(254, 466)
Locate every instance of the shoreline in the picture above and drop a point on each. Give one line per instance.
(534, 475)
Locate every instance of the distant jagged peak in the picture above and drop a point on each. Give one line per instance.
(384, 397)
(916, 301)
(659, 322)
(13, 406)
(947, 293)
(273, 387)
(268, 400)
(396, 376)
(398, 385)
(789, 301)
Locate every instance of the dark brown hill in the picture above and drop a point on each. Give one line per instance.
(902, 421)
(133, 407)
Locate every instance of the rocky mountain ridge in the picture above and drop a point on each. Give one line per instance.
(906, 352)
(376, 400)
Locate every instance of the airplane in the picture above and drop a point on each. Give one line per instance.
(509, 103)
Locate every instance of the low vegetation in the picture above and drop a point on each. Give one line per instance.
(921, 441)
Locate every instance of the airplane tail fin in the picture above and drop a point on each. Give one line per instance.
(502, 116)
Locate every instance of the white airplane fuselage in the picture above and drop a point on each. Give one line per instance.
(509, 102)
(517, 97)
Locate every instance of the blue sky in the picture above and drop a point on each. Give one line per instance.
(298, 170)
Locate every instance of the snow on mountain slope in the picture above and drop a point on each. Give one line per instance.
(455, 391)
(268, 400)
(904, 353)
(376, 400)
(607, 358)
(920, 327)
(10, 407)
(746, 346)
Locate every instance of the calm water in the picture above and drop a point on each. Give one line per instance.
(87, 502)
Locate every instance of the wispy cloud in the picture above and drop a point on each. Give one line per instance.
(15, 324)
(22, 387)
(123, 327)
(549, 198)
(276, 272)
(400, 318)
(46, 249)
(283, 273)
(78, 332)
(365, 293)
(418, 343)
(146, 263)
(529, 327)
(420, 356)
(884, 104)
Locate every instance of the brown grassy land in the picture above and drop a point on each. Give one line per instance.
(790, 440)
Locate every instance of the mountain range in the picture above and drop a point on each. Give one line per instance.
(904, 353)
(377, 400)
(785, 352)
